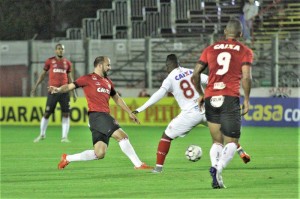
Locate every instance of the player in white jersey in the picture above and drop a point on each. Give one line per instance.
(179, 83)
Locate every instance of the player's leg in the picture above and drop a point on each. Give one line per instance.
(108, 126)
(43, 127)
(213, 117)
(121, 137)
(243, 155)
(100, 142)
(162, 151)
(178, 127)
(50, 107)
(65, 127)
(99, 152)
(215, 151)
(217, 146)
(64, 101)
(231, 130)
(226, 157)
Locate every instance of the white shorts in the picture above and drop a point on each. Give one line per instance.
(184, 122)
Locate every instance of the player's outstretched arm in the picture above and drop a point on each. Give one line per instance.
(63, 89)
(160, 93)
(120, 102)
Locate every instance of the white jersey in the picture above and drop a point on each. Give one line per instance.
(179, 83)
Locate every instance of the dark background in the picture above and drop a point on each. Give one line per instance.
(22, 19)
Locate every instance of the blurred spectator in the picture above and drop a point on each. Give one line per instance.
(143, 93)
(241, 17)
(250, 11)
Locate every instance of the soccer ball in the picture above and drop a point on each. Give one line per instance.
(193, 153)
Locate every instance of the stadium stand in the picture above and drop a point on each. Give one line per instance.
(277, 18)
(203, 20)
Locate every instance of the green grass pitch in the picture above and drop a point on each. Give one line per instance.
(29, 170)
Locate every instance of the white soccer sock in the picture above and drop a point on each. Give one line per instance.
(226, 155)
(83, 156)
(215, 153)
(127, 148)
(65, 126)
(43, 126)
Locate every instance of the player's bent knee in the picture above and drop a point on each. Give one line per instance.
(100, 154)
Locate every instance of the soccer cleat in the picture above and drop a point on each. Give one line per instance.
(245, 157)
(65, 140)
(157, 169)
(143, 167)
(63, 162)
(213, 174)
(39, 138)
(220, 180)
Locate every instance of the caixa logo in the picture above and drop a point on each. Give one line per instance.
(58, 70)
(103, 90)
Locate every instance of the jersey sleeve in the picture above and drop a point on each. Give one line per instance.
(112, 90)
(80, 82)
(69, 66)
(203, 57)
(167, 84)
(47, 64)
(248, 57)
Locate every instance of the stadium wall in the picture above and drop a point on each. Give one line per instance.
(264, 111)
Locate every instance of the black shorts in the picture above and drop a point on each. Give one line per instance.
(228, 115)
(102, 126)
(62, 98)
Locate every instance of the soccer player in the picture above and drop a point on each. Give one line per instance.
(98, 89)
(179, 83)
(228, 62)
(59, 69)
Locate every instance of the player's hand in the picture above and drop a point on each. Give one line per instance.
(53, 89)
(135, 112)
(201, 103)
(134, 118)
(245, 107)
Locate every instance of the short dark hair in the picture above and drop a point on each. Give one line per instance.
(172, 58)
(56, 46)
(234, 27)
(99, 60)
